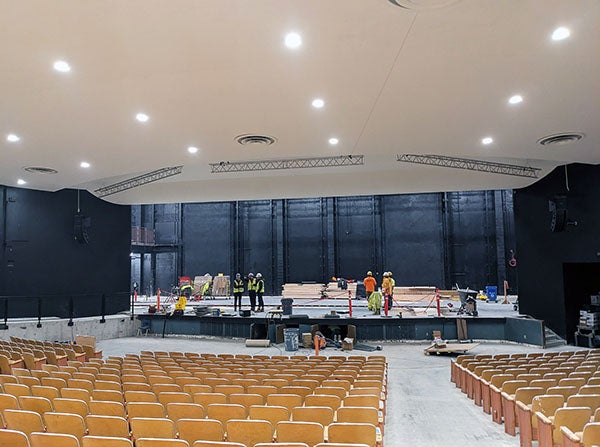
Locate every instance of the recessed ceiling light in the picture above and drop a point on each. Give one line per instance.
(21, 181)
(12, 138)
(333, 141)
(515, 99)
(487, 140)
(142, 117)
(62, 66)
(561, 33)
(84, 164)
(293, 40)
(318, 103)
(192, 149)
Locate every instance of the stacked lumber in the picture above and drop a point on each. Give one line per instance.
(417, 293)
(333, 291)
(449, 295)
(220, 286)
(303, 291)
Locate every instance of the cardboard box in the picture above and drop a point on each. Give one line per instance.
(347, 344)
(307, 340)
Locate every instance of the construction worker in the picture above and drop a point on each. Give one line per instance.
(386, 286)
(238, 289)
(260, 290)
(252, 291)
(391, 294)
(370, 283)
(186, 290)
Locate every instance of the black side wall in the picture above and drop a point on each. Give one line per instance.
(543, 255)
(435, 239)
(39, 255)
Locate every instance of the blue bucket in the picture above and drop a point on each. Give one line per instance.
(491, 292)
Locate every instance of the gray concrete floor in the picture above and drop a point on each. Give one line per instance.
(423, 408)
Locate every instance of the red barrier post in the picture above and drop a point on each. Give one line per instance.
(135, 295)
(158, 300)
(316, 342)
(349, 303)
(385, 304)
(437, 298)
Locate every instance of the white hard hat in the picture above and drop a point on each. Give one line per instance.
(259, 275)
(250, 274)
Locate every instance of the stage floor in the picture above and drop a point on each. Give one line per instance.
(318, 308)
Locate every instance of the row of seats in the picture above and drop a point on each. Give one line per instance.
(166, 385)
(552, 398)
(12, 438)
(245, 431)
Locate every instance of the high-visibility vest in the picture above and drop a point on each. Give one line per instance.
(238, 286)
(181, 303)
(260, 286)
(251, 285)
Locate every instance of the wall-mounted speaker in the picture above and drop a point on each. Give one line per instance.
(81, 226)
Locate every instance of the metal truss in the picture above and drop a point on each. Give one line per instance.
(470, 164)
(140, 180)
(287, 163)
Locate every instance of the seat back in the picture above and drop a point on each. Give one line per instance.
(577, 382)
(310, 433)
(271, 413)
(511, 386)
(247, 400)
(358, 414)
(104, 441)
(152, 428)
(206, 429)
(23, 420)
(53, 440)
(152, 442)
(361, 400)
(526, 394)
(65, 423)
(285, 400)
(74, 406)
(361, 433)
(574, 418)
(591, 435)
(13, 438)
(323, 400)
(145, 410)
(40, 405)
(107, 408)
(112, 426)
(584, 400)
(564, 391)
(140, 396)
(224, 412)
(322, 415)
(249, 432)
(177, 410)
(206, 399)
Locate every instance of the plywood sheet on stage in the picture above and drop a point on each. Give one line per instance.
(450, 348)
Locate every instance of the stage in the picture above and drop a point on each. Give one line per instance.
(404, 323)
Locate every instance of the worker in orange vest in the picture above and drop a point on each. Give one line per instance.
(370, 283)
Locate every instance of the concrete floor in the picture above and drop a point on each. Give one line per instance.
(423, 409)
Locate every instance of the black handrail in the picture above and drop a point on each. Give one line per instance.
(63, 306)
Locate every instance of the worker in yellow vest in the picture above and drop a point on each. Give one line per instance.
(260, 290)
(252, 291)
(238, 289)
(391, 294)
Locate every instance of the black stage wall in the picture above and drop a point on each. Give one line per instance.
(40, 256)
(558, 271)
(437, 239)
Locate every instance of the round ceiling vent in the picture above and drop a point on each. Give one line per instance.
(560, 139)
(423, 5)
(252, 139)
(40, 170)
